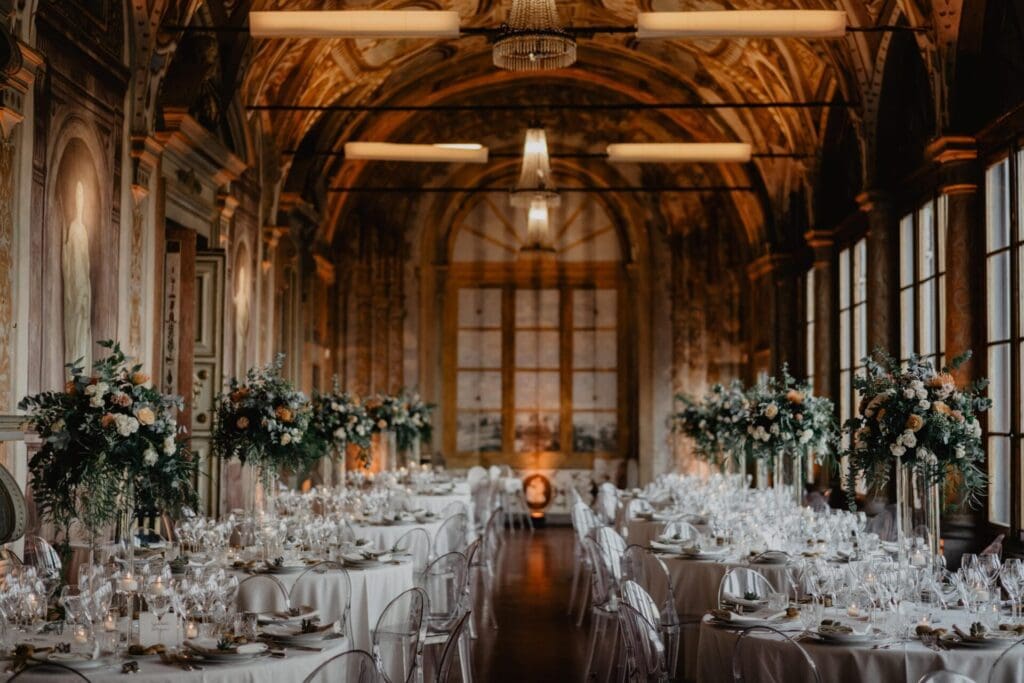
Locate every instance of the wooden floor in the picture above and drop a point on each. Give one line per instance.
(536, 640)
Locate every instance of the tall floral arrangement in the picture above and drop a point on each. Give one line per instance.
(339, 419)
(919, 418)
(405, 414)
(263, 420)
(716, 424)
(785, 418)
(110, 447)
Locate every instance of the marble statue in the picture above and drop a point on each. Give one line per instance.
(77, 287)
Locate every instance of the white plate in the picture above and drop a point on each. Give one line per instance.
(845, 638)
(77, 660)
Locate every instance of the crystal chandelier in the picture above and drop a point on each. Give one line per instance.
(533, 39)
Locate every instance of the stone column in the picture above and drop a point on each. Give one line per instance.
(960, 178)
(774, 282)
(826, 312)
(883, 281)
(145, 155)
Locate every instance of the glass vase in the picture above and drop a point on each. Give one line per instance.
(410, 457)
(799, 477)
(762, 473)
(918, 511)
(124, 528)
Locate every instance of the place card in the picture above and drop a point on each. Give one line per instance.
(167, 632)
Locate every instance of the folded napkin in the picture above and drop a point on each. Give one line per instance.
(743, 602)
(748, 618)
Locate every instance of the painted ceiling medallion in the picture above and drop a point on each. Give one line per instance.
(533, 39)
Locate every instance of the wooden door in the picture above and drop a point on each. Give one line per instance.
(208, 369)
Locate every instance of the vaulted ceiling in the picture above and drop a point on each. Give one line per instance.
(611, 68)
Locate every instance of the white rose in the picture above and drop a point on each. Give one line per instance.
(169, 445)
(909, 439)
(771, 410)
(806, 436)
(96, 401)
(335, 406)
(921, 393)
(917, 385)
(975, 429)
(361, 430)
(339, 434)
(909, 393)
(286, 439)
(775, 429)
(924, 404)
(57, 426)
(960, 452)
(897, 450)
(382, 424)
(150, 457)
(126, 425)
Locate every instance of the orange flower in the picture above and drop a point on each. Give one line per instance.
(795, 396)
(145, 415)
(284, 414)
(239, 394)
(915, 422)
(940, 380)
(106, 420)
(242, 422)
(140, 378)
(880, 414)
(70, 388)
(941, 408)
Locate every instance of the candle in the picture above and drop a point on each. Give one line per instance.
(81, 634)
(924, 621)
(852, 610)
(191, 629)
(158, 588)
(110, 622)
(128, 583)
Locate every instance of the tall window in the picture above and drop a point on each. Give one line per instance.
(922, 282)
(853, 322)
(809, 326)
(1004, 241)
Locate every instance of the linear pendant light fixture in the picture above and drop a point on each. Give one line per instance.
(742, 24)
(534, 38)
(443, 153)
(679, 152)
(355, 24)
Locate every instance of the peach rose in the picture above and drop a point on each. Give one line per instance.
(106, 420)
(284, 414)
(140, 378)
(70, 388)
(239, 394)
(940, 380)
(915, 422)
(145, 415)
(242, 422)
(941, 408)
(795, 396)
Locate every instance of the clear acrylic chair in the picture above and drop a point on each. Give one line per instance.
(262, 593)
(740, 664)
(739, 582)
(513, 501)
(354, 666)
(445, 584)
(1008, 667)
(945, 677)
(451, 537)
(457, 647)
(327, 587)
(604, 618)
(415, 542)
(484, 562)
(648, 571)
(647, 660)
(607, 503)
(454, 508)
(48, 671)
(584, 521)
(612, 546)
(397, 636)
(681, 529)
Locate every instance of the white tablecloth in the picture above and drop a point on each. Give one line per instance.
(384, 536)
(294, 668)
(436, 503)
(695, 586)
(372, 589)
(778, 662)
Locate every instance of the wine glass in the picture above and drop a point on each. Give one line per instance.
(989, 566)
(158, 598)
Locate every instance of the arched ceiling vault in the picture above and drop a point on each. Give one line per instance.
(610, 68)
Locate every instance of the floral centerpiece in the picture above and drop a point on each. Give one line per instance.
(785, 419)
(340, 420)
(110, 448)
(417, 425)
(404, 417)
(262, 420)
(917, 418)
(716, 424)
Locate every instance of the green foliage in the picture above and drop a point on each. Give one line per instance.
(338, 420)
(912, 416)
(263, 421)
(105, 434)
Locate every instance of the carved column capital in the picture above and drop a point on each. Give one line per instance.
(822, 243)
(145, 155)
(15, 83)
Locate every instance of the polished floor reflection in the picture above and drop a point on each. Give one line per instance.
(535, 640)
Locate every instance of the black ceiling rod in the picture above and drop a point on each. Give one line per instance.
(551, 106)
(654, 189)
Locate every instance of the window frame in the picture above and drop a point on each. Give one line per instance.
(916, 286)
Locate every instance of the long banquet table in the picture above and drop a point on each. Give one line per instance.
(901, 661)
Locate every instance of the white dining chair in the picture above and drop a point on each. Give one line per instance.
(809, 670)
(945, 677)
